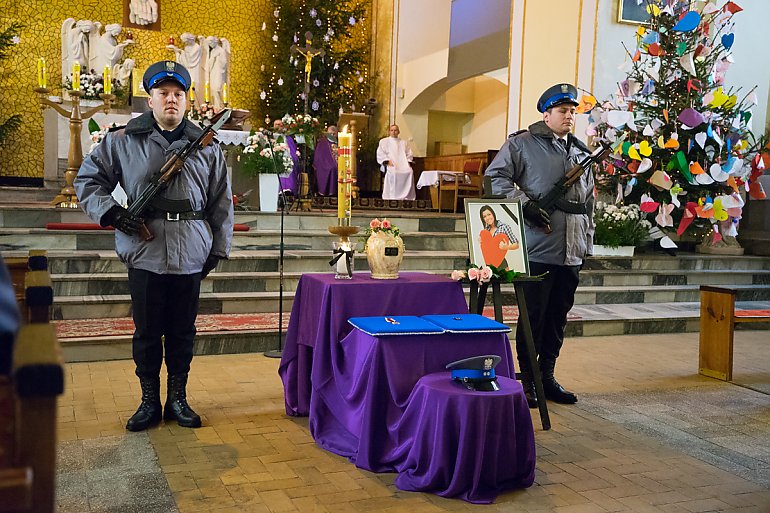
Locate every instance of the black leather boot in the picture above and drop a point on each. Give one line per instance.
(176, 403)
(149, 412)
(553, 390)
(529, 388)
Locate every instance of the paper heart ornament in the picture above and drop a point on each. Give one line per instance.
(686, 61)
(717, 173)
(696, 168)
(688, 22)
(705, 211)
(691, 117)
(645, 149)
(664, 215)
(648, 131)
(720, 214)
(667, 243)
(675, 191)
(661, 180)
(710, 8)
(701, 138)
(587, 102)
(646, 204)
(653, 10)
(732, 8)
(629, 187)
(655, 50)
(704, 179)
(490, 248)
(730, 102)
(633, 153)
(644, 166)
(756, 191)
(728, 40)
(687, 217)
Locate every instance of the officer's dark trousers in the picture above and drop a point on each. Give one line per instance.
(165, 305)
(548, 302)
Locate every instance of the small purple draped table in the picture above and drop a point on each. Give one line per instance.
(369, 397)
(323, 305)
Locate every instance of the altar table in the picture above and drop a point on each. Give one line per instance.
(323, 305)
(362, 386)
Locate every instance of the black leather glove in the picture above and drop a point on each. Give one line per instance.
(209, 265)
(536, 215)
(121, 220)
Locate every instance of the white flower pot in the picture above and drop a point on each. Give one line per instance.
(268, 193)
(620, 251)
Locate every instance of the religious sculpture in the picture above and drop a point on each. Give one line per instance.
(75, 45)
(143, 12)
(190, 56)
(105, 49)
(218, 64)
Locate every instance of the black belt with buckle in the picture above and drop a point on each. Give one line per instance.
(191, 215)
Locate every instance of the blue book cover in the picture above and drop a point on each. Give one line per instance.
(463, 323)
(395, 325)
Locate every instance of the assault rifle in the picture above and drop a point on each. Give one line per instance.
(173, 167)
(552, 198)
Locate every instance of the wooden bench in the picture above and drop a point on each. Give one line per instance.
(31, 379)
(717, 326)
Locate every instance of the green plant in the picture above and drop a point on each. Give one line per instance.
(263, 155)
(620, 225)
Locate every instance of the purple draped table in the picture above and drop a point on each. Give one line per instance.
(361, 388)
(323, 305)
(466, 444)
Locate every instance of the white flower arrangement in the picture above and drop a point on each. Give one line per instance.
(92, 85)
(620, 225)
(97, 136)
(259, 155)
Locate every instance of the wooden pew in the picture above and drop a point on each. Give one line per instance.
(28, 396)
(717, 327)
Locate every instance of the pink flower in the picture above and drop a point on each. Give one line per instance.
(458, 275)
(473, 273)
(485, 274)
(374, 224)
(385, 224)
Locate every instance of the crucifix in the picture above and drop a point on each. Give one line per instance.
(308, 52)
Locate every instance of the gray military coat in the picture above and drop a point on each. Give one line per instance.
(129, 156)
(534, 161)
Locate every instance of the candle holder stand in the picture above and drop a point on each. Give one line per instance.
(344, 231)
(67, 197)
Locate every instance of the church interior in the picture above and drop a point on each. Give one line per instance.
(362, 142)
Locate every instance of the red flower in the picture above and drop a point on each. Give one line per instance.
(385, 224)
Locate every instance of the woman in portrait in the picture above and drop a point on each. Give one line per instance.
(490, 223)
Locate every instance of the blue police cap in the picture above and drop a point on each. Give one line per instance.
(166, 70)
(476, 372)
(556, 95)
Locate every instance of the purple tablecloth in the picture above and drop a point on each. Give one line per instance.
(323, 305)
(361, 387)
(466, 444)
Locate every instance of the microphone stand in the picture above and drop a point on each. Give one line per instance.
(278, 353)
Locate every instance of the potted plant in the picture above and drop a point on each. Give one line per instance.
(619, 229)
(267, 159)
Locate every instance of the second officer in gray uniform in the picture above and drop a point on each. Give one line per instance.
(192, 224)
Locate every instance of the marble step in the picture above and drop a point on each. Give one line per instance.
(19, 239)
(119, 305)
(109, 283)
(594, 320)
(20, 216)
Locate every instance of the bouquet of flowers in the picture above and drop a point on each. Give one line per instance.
(302, 125)
(201, 114)
(375, 226)
(484, 274)
(92, 85)
(620, 225)
(264, 156)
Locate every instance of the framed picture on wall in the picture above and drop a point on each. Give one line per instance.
(633, 12)
(495, 229)
(141, 14)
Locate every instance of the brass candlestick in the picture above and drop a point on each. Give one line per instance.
(67, 198)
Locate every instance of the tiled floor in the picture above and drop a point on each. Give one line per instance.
(648, 435)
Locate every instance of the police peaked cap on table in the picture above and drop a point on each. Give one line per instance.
(476, 372)
(163, 71)
(556, 95)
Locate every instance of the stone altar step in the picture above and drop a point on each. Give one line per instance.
(594, 320)
(110, 283)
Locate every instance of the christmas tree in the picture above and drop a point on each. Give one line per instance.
(338, 33)
(683, 141)
(8, 39)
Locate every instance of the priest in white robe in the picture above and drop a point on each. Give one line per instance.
(394, 156)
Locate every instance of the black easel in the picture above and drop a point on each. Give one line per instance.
(477, 300)
(277, 353)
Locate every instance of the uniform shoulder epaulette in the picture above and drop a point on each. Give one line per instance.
(114, 128)
(517, 133)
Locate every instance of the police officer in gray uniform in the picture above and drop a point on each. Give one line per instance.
(192, 223)
(526, 168)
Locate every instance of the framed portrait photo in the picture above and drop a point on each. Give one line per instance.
(495, 229)
(633, 12)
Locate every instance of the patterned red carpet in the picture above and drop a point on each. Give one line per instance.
(124, 326)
